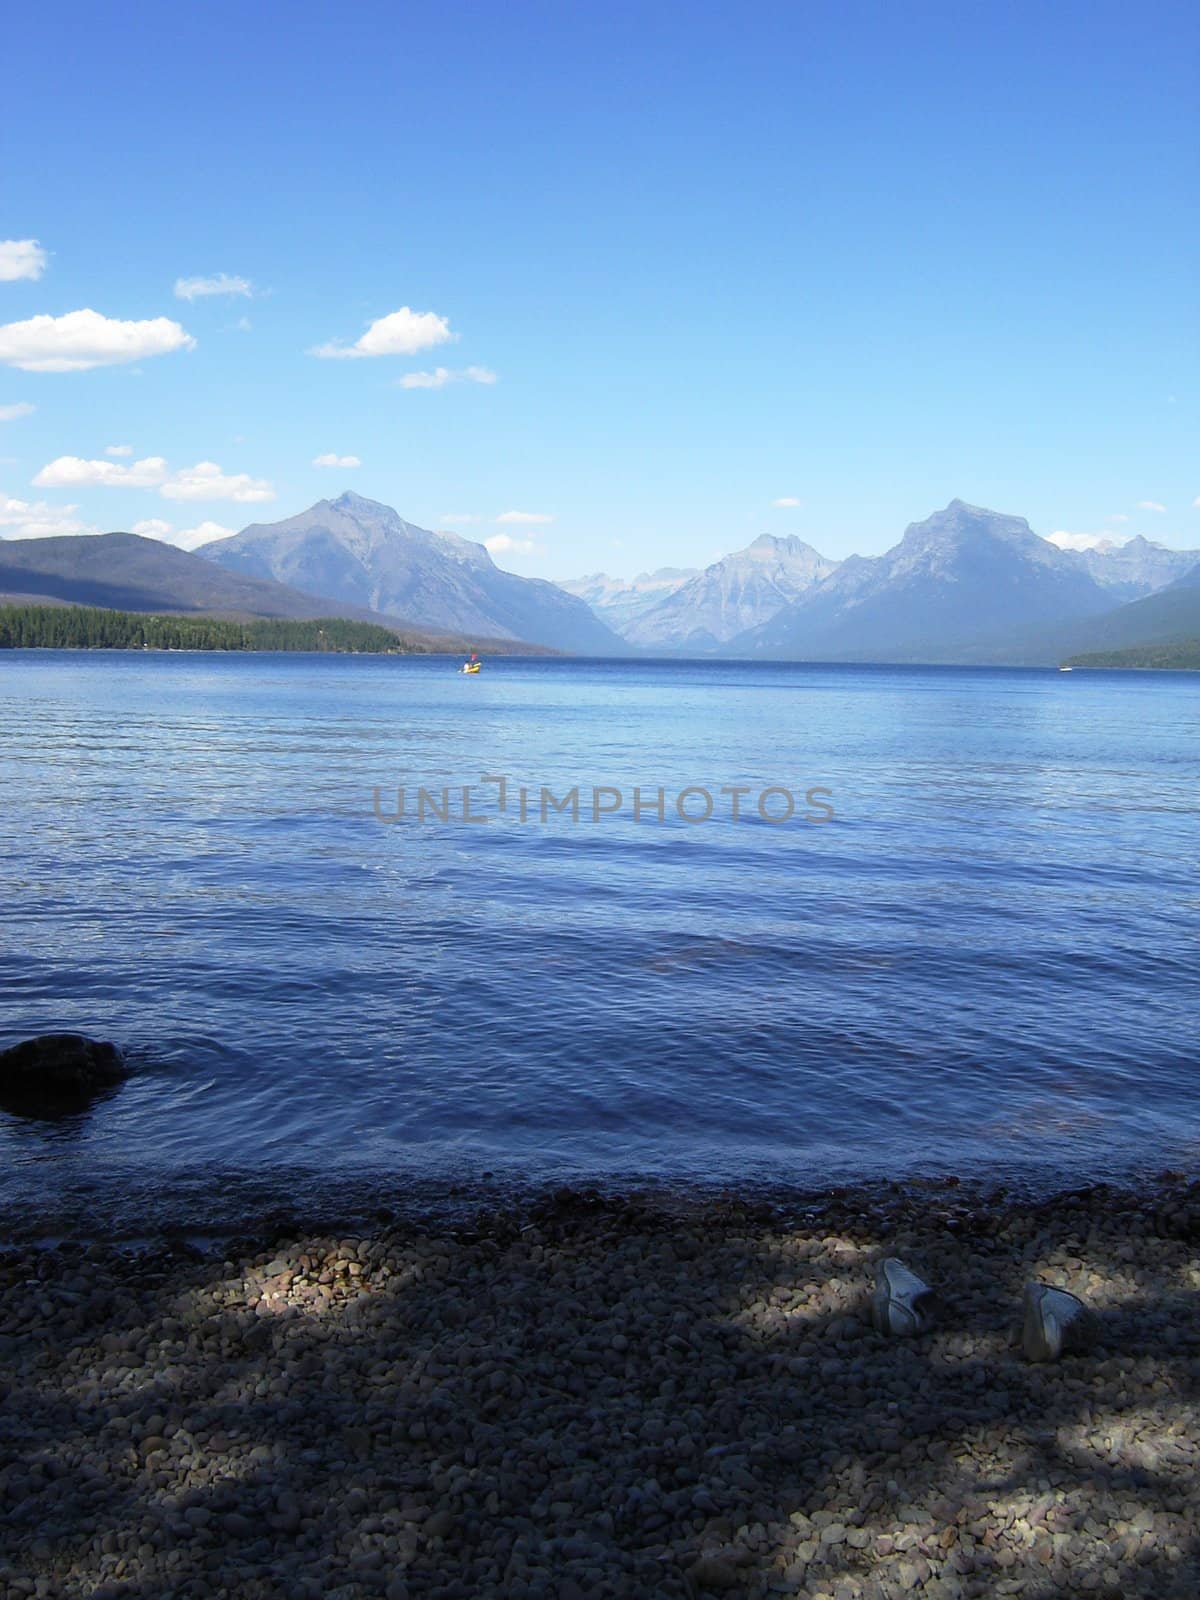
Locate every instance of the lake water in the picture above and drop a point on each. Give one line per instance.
(986, 962)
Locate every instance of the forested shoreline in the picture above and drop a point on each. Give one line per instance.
(94, 628)
(1181, 655)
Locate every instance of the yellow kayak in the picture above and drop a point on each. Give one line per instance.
(471, 666)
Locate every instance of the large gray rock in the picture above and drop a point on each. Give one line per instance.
(58, 1072)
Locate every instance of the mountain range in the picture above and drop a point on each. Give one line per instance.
(126, 572)
(1138, 567)
(954, 583)
(684, 609)
(619, 602)
(361, 553)
(965, 585)
(735, 594)
(1165, 617)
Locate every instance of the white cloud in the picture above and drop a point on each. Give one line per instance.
(786, 502)
(118, 449)
(24, 519)
(524, 518)
(221, 283)
(204, 533)
(1196, 501)
(204, 481)
(21, 258)
(400, 333)
(330, 459)
(72, 472)
(441, 376)
(501, 544)
(185, 538)
(21, 409)
(1085, 541)
(1117, 516)
(1151, 505)
(81, 340)
(437, 379)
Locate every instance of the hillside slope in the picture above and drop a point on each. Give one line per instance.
(126, 572)
(362, 553)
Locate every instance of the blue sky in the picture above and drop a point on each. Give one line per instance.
(680, 261)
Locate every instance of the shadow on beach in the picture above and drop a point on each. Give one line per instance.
(603, 1399)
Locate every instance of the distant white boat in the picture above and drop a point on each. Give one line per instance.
(1066, 669)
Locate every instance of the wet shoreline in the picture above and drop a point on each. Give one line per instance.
(210, 1211)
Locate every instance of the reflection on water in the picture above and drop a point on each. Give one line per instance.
(987, 957)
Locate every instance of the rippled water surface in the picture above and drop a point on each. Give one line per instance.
(987, 962)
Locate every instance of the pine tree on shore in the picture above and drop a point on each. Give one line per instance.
(31, 627)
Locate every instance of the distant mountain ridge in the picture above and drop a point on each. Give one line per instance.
(619, 602)
(738, 593)
(361, 552)
(1138, 567)
(1171, 615)
(676, 610)
(966, 584)
(127, 572)
(952, 585)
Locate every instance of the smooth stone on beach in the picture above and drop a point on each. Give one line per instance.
(717, 1573)
(58, 1070)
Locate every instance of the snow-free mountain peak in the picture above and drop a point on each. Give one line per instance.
(738, 592)
(962, 576)
(1137, 567)
(362, 551)
(618, 602)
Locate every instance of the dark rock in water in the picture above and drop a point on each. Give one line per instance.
(58, 1072)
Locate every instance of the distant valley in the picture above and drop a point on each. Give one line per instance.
(621, 602)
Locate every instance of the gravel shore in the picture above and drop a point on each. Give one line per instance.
(600, 1398)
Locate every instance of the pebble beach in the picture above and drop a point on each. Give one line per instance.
(589, 1397)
